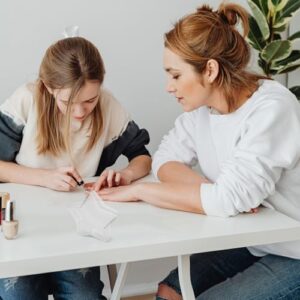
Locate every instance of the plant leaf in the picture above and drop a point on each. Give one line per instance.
(296, 91)
(280, 4)
(258, 3)
(260, 19)
(271, 8)
(294, 36)
(290, 9)
(280, 28)
(279, 22)
(276, 36)
(276, 50)
(263, 65)
(289, 64)
(288, 68)
(294, 57)
(264, 7)
(255, 38)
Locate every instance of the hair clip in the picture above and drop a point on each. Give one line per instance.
(71, 31)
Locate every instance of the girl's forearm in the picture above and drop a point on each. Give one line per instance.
(178, 196)
(138, 167)
(12, 172)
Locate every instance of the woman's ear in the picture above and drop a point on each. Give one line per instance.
(212, 70)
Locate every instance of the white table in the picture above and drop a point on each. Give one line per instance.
(48, 241)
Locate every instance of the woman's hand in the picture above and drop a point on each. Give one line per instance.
(61, 179)
(110, 178)
(120, 194)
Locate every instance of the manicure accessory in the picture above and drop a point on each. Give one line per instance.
(93, 217)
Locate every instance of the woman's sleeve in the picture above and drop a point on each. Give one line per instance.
(130, 143)
(269, 144)
(178, 145)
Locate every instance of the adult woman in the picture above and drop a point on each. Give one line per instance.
(57, 130)
(243, 131)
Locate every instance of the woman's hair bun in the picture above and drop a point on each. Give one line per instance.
(203, 8)
(228, 13)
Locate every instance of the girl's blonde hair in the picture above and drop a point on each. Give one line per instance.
(68, 63)
(207, 34)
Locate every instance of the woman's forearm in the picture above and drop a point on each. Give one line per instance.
(12, 172)
(138, 167)
(174, 171)
(178, 196)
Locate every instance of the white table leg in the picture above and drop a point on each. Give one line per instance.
(185, 277)
(116, 293)
(112, 275)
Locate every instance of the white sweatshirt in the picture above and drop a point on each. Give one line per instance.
(252, 156)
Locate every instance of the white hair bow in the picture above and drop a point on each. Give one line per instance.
(71, 31)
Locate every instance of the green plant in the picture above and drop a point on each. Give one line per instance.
(269, 20)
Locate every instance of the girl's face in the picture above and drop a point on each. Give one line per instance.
(83, 103)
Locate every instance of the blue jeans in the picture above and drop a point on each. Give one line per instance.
(236, 274)
(79, 284)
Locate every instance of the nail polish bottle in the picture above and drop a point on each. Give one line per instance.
(9, 225)
(4, 198)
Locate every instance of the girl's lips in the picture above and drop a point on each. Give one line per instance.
(79, 118)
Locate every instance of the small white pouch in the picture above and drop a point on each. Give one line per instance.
(93, 217)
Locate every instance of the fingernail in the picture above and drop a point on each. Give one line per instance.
(81, 182)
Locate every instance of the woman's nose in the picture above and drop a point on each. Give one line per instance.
(170, 88)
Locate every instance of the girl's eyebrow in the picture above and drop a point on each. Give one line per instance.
(90, 98)
(83, 100)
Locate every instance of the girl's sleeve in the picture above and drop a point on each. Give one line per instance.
(13, 116)
(269, 145)
(125, 137)
(130, 143)
(178, 145)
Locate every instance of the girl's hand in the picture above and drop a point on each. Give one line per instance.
(110, 178)
(61, 179)
(120, 194)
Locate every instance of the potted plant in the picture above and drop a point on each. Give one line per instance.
(268, 23)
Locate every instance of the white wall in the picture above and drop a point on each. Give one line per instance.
(129, 35)
(294, 77)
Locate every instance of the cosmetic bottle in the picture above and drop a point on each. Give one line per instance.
(4, 198)
(9, 225)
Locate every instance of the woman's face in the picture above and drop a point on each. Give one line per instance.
(184, 83)
(83, 103)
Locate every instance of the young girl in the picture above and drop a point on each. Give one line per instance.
(243, 130)
(58, 130)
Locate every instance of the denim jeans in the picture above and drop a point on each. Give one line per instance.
(236, 274)
(78, 284)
